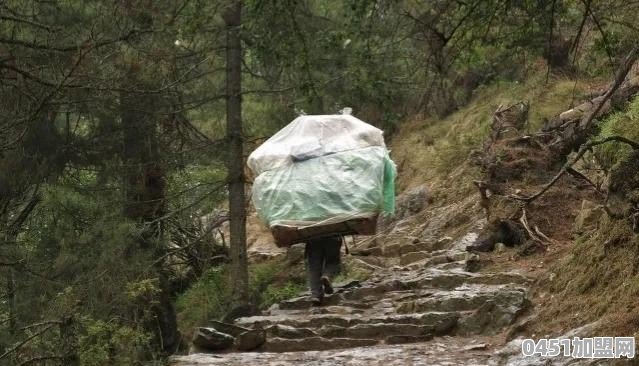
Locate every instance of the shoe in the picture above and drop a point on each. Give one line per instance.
(316, 301)
(328, 288)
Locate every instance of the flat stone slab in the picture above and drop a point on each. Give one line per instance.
(444, 351)
(464, 298)
(316, 321)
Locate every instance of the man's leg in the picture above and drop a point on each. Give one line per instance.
(314, 262)
(332, 262)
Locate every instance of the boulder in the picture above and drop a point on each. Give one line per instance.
(413, 201)
(211, 340)
(408, 203)
(230, 329)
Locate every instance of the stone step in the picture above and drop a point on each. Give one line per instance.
(465, 298)
(383, 330)
(397, 250)
(389, 330)
(314, 344)
(425, 259)
(438, 320)
(452, 278)
(334, 300)
(399, 287)
(440, 351)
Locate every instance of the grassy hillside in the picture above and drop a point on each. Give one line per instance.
(589, 276)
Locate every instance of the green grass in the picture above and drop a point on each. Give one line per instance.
(624, 123)
(210, 297)
(433, 149)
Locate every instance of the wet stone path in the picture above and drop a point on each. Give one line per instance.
(431, 309)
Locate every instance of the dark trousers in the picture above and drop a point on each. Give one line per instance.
(322, 259)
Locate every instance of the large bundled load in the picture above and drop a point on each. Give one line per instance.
(321, 175)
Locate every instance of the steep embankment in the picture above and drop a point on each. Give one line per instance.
(420, 297)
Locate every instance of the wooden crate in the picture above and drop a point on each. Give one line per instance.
(289, 235)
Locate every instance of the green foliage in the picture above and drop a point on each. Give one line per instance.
(624, 123)
(97, 95)
(275, 293)
(210, 297)
(110, 343)
(270, 282)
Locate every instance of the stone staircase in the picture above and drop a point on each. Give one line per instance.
(431, 308)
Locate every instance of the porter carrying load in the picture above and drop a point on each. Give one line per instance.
(322, 175)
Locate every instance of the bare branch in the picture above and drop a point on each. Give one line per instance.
(585, 147)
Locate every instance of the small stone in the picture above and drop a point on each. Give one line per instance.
(552, 276)
(500, 247)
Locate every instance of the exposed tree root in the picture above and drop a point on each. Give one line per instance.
(585, 147)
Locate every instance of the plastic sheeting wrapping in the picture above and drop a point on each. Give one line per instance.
(312, 136)
(320, 170)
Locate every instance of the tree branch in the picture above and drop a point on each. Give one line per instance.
(585, 147)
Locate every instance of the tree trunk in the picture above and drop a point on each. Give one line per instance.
(235, 161)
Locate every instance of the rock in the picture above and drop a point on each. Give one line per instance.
(250, 339)
(588, 216)
(230, 329)
(466, 298)
(442, 242)
(343, 286)
(511, 353)
(412, 257)
(500, 247)
(314, 343)
(408, 203)
(473, 263)
(508, 232)
(401, 339)
(365, 252)
(212, 340)
(413, 201)
(392, 250)
(373, 261)
(417, 247)
(495, 313)
(285, 331)
(375, 331)
(475, 347)
(304, 302)
(295, 254)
